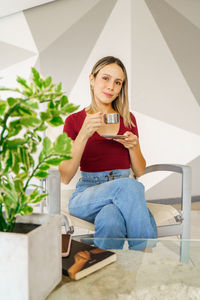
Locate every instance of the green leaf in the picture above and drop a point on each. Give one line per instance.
(36, 74)
(68, 108)
(39, 198)
(33, 146)
(18, 185)
(62, 145)
(22, 154)
(9, 190)
(41, 157)
(9, 162)
(14, 123)
(28, 93)
(55, 113)
(51, 104)
(11, 144)
(56, 121)
(22, 81)
(47, 81)
(54, 161)
(14, 128)
(57, 102)
(32, 104)
(44, 167)
(25, 157)
(2, 107)
(10, 89)
(59, 87)
(29, 121)
(46, 146)
(16, 113)
(25, 110)
(33, 194)
(36, 77)
(31, 160)
(39, 138)
(27, 210)
(16, 163)
(41, 174)
(42, 127)
(12, 101)
(45, 116)
(23, 175)
(63, 101)
(24, 197)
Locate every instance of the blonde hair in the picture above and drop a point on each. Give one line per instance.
(121, 103)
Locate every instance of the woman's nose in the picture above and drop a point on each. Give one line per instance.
(111, 85)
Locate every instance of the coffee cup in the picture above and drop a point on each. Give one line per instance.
(111, 118)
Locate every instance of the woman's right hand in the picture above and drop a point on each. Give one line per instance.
(91, 124)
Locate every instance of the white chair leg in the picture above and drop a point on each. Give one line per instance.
(53, 188)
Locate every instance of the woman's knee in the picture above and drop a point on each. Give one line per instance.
(110, 222)
(130, 190)
(131, 184)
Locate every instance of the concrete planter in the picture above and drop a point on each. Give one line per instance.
(30, 264)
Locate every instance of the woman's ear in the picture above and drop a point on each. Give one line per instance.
(91, 78)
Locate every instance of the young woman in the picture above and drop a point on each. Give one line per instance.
(105, 195)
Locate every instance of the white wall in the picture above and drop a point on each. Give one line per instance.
(159, 44)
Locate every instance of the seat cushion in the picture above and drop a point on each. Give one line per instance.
(163, 214)
(73, 221)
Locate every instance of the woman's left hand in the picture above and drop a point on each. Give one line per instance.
(130, 142)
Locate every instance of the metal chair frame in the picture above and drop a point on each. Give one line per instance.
(182, 228)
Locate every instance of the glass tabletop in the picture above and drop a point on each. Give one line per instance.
(155, 273)
(185, 251)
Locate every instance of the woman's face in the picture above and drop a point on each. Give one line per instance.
(107, 84)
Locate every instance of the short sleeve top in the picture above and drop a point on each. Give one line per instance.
(100, 154)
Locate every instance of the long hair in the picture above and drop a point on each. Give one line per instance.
(121, 103)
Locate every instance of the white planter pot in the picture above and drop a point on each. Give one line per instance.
(30, 264)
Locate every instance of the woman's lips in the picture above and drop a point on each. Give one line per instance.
(108, 95)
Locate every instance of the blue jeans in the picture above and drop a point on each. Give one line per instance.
(116, 205)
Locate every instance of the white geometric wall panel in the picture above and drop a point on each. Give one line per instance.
(189, 9)
(108, 43)
(159, 88)
(184, 42)
(163, 143)
(9, 7)
(159, 43)
(59, 18)
(14, 30)
(23, 69)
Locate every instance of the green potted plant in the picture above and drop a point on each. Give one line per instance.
(25, 154)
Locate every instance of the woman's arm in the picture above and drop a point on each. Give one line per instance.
(138, 163)
(68, 168)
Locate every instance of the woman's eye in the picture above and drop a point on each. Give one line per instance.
(118, 82)
(105, 78)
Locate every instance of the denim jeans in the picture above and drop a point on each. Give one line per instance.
(116, 205)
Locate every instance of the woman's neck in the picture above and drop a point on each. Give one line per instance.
(105, 109)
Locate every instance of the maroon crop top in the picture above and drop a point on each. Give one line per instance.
(100, 154)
